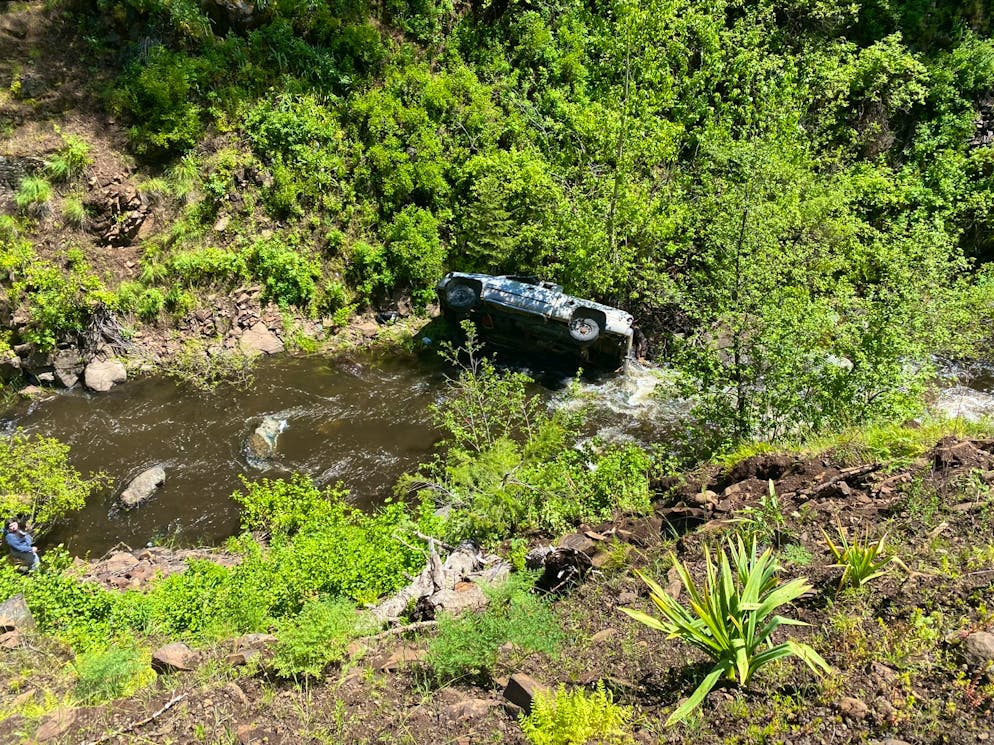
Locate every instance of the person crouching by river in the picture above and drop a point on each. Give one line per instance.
(19, 543)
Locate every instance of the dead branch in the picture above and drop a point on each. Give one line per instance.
(141, 723)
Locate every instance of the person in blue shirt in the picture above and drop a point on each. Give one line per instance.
(19, 543)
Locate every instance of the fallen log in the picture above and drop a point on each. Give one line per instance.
(450, 586)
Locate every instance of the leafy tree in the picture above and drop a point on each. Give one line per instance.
(38, 482)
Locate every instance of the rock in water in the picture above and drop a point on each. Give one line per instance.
(261, 444)
(143, 486)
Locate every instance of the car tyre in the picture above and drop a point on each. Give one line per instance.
(584, 329)
(461, 296)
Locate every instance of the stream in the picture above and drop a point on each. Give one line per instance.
(361, 423)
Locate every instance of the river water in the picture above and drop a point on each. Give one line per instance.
(363, 423)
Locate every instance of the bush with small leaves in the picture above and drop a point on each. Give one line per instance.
(318, 636)
(107, 674)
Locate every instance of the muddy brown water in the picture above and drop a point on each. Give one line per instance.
(361, 423)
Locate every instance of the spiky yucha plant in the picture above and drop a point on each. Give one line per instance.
(731, 617)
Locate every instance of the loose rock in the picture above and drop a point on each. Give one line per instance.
(143, 486)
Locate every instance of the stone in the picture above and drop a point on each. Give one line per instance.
(400, 658)
(10, 640)
(978, 648)
(521, 690)
(10, 366)
(117, 563)
(15, 614)
(242, 657)
(473, 708)
(259, 340)
(853, 708)
(627, 597)
(237, 693)
(261, 444)
(143, 486)
(102, 376)
(255, 641)
(68, 364)
(55, 725)
(175, 657)
(578, 542)
(603, 635)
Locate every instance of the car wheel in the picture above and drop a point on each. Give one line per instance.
(584, 328)
(461, 296)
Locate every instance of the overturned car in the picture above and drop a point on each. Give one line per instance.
(525, 312)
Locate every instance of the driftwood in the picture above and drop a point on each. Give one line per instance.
(452, 585)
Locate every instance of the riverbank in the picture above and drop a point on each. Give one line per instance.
(907, 648)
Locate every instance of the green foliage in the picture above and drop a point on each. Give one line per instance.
(108, 674)
(33, 194)
(763, 521)
(319, 544)
(859, 559)
(73, 211)
(205, 266)
(730, 617)
(574, 717)
(158, 95)
(70, 161)
(512, 464)
(466, 647)
(38, 481)
(286, 273)
(283, 507)
(416, 252)
(318, 636)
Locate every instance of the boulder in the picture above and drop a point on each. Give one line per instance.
(143, 486)
(259, 340)
(15, 614)
(175, 657)
(261, 444)
(68, 364)
(102, 376)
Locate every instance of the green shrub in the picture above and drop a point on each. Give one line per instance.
(370, 271)
(33, 195)
(159, 97)
(71, 160)
(320, 544)
(111, 673)
(287, 276)
(207, 265)
(729, 617)
(179, 302)
(860, 559)
(415, 252)
(38, 481)
(466, 647)
(564, 717)
(280, 507)
(318, 636)
(73, 211)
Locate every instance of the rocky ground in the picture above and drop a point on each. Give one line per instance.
(912, 650)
